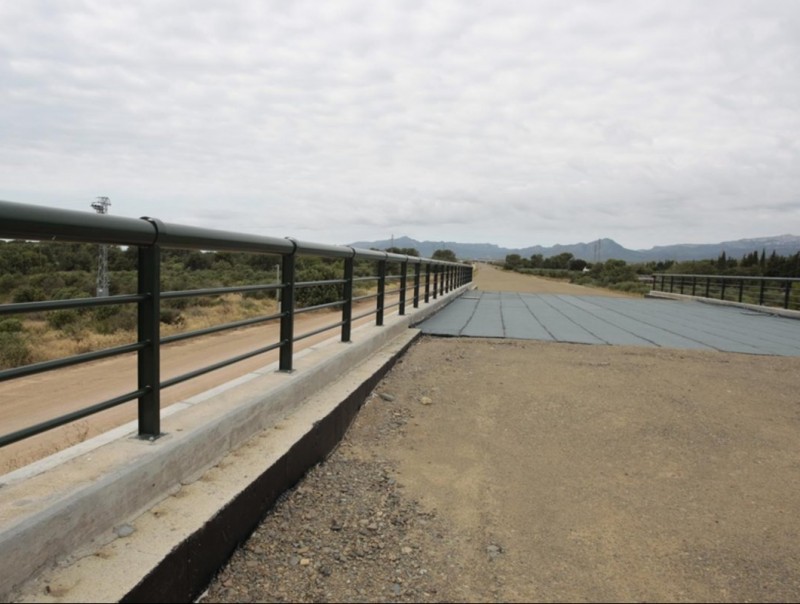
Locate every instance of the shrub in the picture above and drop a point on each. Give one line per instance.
(170, 316)
(14, 350)
(11, 326)
(8, 283)
(110, 319)
(26, 293)
(69, 293)
(58, 319)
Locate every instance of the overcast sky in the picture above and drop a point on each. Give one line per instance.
(515, 123)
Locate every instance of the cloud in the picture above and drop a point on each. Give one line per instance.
(512, 122)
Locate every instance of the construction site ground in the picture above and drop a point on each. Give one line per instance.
(510, 470)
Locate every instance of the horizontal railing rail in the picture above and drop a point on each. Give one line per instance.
(428, 277)
(763, 291)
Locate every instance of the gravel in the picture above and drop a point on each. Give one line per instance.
(347, 532)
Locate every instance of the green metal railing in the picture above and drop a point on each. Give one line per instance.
(150, 236)
(763, 291)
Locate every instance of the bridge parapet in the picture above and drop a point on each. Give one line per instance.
(150, 236)
(777, 292)
(52, 508)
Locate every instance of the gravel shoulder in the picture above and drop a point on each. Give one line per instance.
(491, 470)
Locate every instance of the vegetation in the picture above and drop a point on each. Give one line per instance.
(619, 275)
(57, 271)
(446, 255)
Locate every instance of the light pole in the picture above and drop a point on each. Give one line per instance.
(101, 207)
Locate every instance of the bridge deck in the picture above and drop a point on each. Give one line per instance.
(621, 321)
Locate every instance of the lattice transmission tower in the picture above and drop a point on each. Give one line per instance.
(101, 207)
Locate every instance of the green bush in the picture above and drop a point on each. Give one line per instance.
(11, 326)
(110, 319)
(170, 316)
(636, 287)
(70, 293)
(8, 283)
(27, 293)
(14, 350)
(58, 319)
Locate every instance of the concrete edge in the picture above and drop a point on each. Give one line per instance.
(52, 512)
(768, 310)
(183, 574)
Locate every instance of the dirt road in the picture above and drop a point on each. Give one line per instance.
(492, 279)
(25, 402)
(494, 470)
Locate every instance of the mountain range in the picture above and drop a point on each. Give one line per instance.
(599, 250)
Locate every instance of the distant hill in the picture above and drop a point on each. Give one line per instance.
(602, 249)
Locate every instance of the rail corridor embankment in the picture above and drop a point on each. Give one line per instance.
(503, 470)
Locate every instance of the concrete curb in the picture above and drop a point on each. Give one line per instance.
(70, 510)
(769, 310)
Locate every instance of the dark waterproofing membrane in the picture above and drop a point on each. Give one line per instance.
(622, 321)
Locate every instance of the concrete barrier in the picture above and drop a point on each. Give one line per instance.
(121, 519)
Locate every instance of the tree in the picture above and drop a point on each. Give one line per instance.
(408, 251)
(537, 261)
(447, 255)
(513, 262)
(577, 264)
(561, 261)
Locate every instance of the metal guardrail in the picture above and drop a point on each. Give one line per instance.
(430, 279)
(763, 291)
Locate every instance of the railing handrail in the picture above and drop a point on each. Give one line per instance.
(748, 289)
(728, 277)
(40, 223)
(150, 235)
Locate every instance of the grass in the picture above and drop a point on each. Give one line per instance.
(45, 342)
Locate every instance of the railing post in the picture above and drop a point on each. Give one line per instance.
(427, 282)
(741, 288)
(682, 279)
(671, 283)
(708, 287)
(788, 293)
(694, 285)
(287, 312)
(381, 291)
(417, 271)
(761, 292)
(149, 326)
(655, 281)
(663, 278)
(347, 294)
(435, 281)
(722, 292)
(403, 285)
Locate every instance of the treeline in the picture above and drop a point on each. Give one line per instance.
(756, 264)
(34, 271)
(31, 271)
(618, 274)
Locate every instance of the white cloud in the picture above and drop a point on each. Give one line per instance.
(512, 122)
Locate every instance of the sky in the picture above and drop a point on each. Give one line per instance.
(518, 123)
